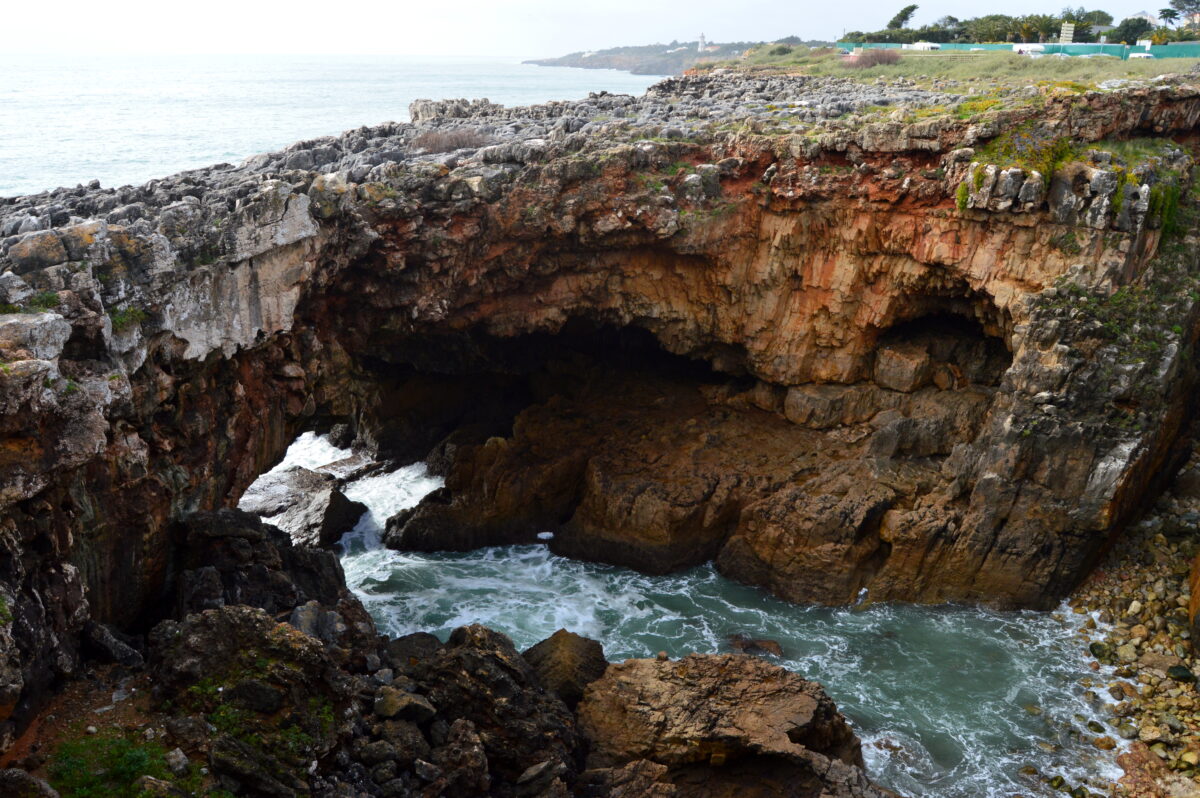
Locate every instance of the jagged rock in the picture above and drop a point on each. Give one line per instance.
(392, 703)
(640, 778)
(465, 680)
(230, 557)
(566, 663)
(462, 762)
(309, 506)
(722, 723)
(40, 336)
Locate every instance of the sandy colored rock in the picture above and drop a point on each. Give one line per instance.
(566, 663)
(710, 719)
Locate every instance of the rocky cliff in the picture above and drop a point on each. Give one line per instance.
(834, 336)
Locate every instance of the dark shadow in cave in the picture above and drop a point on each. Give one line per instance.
(960, 351)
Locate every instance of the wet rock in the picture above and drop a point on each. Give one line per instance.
(309, 506)
(1181, 673)
(566, 663)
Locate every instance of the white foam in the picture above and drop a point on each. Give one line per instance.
(311, 451)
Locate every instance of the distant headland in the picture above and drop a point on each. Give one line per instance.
(659, 59)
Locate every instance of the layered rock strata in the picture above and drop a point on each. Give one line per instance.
(959, 386)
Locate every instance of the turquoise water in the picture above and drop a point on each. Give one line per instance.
(949, 701)
(127, 119)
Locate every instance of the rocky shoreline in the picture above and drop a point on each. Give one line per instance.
(1141, 630)
(224, 696)
(832, 336)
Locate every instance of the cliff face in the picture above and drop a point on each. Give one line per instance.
(931, 377)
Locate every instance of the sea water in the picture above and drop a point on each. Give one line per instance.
(949, 701)
(122, 120)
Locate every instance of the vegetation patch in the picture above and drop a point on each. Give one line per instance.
(964, 194)
(1029, 147)
(105, 765)
(44, 300)
(970, 108)
(124, 318)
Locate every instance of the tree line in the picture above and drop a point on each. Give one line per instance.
(1178, 22)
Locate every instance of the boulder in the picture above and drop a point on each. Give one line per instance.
(903, 367)
(566, 663)
(38, 336)
(307, 505)
(723, 725)
(100, 642)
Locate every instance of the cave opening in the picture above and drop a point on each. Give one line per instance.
(942, 347)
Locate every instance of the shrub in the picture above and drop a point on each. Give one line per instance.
(450, 140)
(781, 49)
(873, 57)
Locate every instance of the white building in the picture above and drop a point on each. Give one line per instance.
(702, 45)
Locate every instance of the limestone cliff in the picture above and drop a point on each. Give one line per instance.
(935, 374)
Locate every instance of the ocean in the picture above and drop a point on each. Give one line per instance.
(123, 120)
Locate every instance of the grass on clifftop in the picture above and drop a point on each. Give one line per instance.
(959, 65)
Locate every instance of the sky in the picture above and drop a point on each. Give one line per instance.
(514, 28)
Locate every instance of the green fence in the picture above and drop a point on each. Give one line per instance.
(1182, 50)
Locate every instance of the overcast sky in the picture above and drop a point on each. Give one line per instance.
(525, 28)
